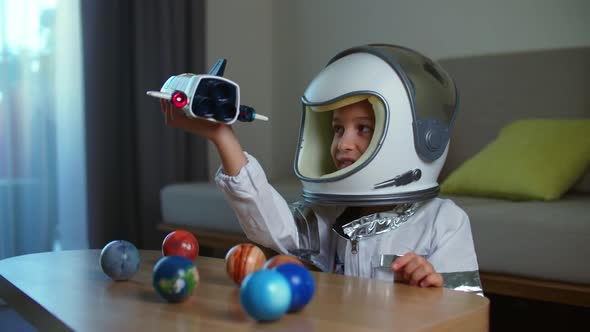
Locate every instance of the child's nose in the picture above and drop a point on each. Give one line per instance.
(346, 141)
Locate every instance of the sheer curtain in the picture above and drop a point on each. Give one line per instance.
(42, 163)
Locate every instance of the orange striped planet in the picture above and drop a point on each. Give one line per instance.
(281, 259)
(243, 259)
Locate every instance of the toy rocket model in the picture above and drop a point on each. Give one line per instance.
(209, 96)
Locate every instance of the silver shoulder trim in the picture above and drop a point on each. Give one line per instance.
(379, 223)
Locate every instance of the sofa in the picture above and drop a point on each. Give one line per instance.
(528, 248)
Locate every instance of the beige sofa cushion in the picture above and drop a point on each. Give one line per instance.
(545, 240)
(202, 205)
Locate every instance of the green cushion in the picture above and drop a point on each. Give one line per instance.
(537, 159)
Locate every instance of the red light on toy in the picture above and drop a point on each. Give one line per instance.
(179, 99)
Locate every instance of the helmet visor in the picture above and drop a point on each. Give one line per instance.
(314, 160)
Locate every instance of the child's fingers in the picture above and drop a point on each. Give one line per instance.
(416, 271)
(411, 262)
(432, 280)
(410, 268)
(398, 276)
(404, 266)
(164, 105)
(401, 262)
(172, 112)
(172, 116)
(167, 116)
(178, 112)
(418, 274)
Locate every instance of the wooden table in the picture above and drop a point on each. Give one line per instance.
(67, 290)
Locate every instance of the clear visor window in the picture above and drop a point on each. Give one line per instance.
(340, 137)
(432, 88)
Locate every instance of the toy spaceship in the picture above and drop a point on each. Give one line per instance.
(208, 96)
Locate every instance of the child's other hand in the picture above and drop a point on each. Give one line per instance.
(416, 271)
(176, 118)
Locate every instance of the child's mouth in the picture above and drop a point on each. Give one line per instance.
(345, 163)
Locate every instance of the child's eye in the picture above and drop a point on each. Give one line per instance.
(338, 130)
(365, 129)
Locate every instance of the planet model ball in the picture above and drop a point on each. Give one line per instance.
(174, 278)
(120, 260)
(180, 243)
(265, 295)
(281, 259)
(301, 283)
(243, 259)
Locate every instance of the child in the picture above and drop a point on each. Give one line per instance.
(373, 139)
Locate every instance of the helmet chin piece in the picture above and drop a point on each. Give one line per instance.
(369, 200)
(414, 104)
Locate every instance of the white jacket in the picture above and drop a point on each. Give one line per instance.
(438, 230)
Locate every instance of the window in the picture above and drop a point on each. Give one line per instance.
(42, 168)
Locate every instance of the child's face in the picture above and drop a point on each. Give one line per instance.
(353, 129)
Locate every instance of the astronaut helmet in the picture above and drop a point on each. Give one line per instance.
(414, 103)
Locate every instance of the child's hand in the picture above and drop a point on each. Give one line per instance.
(416, 271)
(176, 118)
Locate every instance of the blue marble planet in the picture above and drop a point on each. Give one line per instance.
(174, 278)
(265, 295)
(120, 260)
(301, 283)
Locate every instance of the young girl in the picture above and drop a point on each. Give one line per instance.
(374, 136)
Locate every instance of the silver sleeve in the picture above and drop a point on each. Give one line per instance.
(307, 231)
(465, 281)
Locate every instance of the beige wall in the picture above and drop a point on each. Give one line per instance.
(241, 32)
(275, 47)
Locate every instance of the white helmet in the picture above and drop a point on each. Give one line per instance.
(414, 102)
